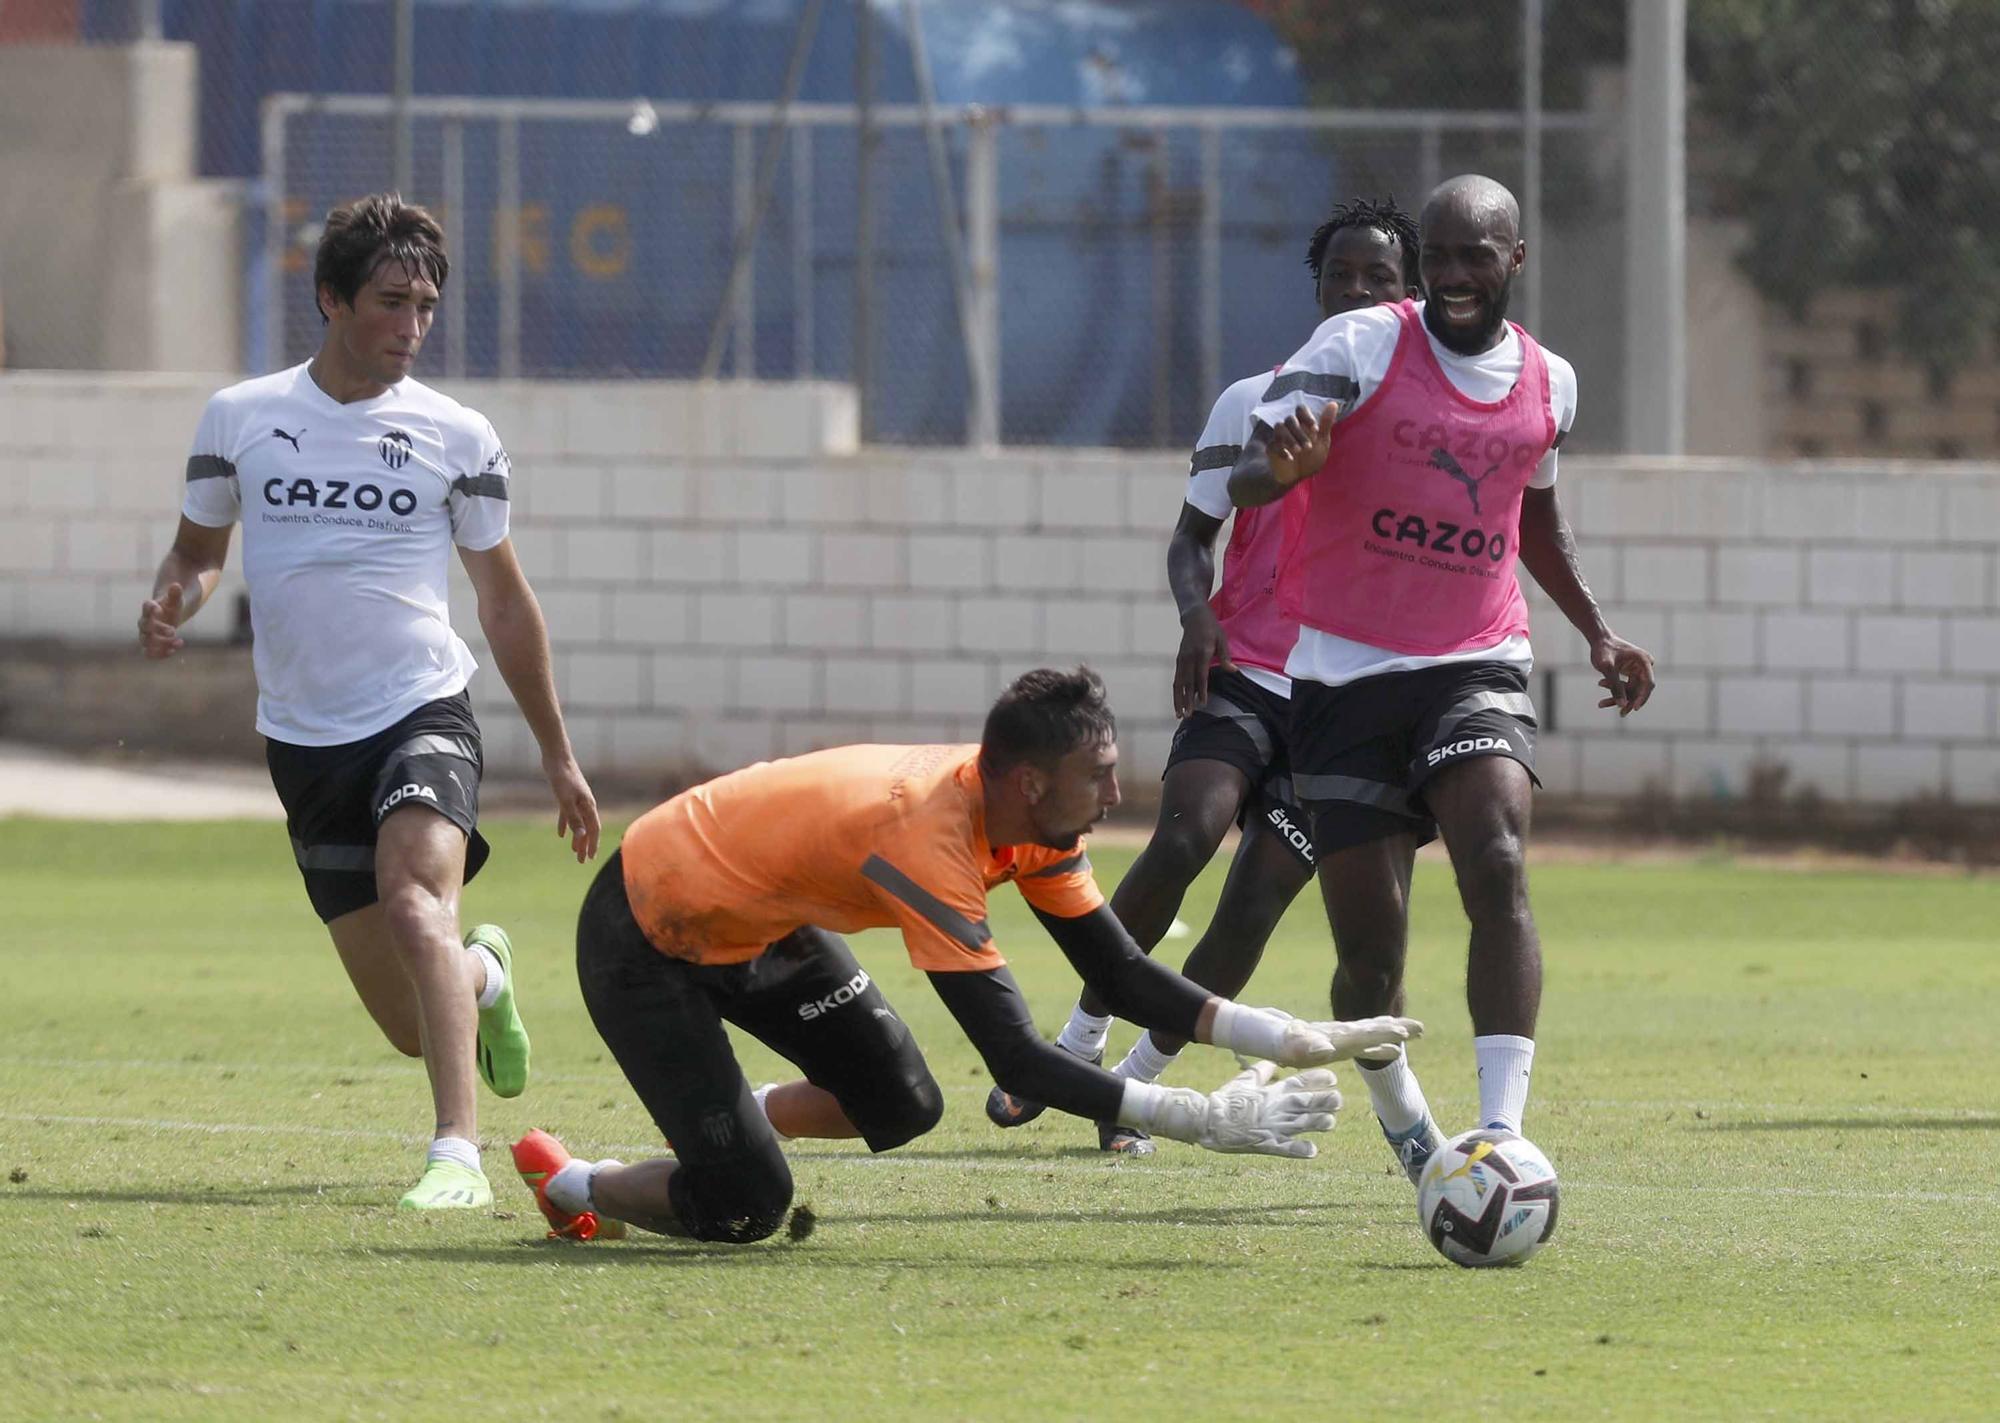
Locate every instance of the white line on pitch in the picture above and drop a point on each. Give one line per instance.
(611, 1080)
(984, 1164)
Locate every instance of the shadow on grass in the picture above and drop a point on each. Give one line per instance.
(1290, 1216)
(198, 1196)
(1920, 1123)
(658, 1251)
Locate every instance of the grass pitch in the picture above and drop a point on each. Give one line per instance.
(1769, 1093)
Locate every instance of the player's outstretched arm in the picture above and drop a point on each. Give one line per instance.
(512, 621)
(1191, 578)
(187, 576)
(1248, 1113)
(1548, 552)
(1144, 991)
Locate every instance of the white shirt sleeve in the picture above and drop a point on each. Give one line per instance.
(212, 496)
(482, 478)
(1332, 365)
(1220, 443)
(1562, 403)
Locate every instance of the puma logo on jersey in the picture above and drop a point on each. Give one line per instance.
(1441, 459)
(290, 439)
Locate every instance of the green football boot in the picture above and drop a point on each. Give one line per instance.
(447, 1186)
(503, 1041)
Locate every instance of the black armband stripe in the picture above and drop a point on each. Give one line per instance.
(490, 486)
(209, 467)
(1332, 386)
(972, 933)
(1214, 457)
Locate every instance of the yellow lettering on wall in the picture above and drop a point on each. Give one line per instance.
(600, 241)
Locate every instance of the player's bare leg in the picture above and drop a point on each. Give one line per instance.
(1265, 876)
(1366, 889)
(1482, 808)
(419, 869)
(379, 978)
(1199, 802)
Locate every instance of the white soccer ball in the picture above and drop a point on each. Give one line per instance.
(1487, 1198)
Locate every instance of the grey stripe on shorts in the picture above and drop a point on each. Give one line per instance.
(1353, 788)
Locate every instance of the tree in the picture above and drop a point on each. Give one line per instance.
(1867, 152)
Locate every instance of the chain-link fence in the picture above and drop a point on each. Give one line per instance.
(1116, 267)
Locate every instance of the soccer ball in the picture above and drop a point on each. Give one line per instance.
(1487, 1198)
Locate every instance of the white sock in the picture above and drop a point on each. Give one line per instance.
(1083, 1036)
(1145, 1062)
(1393, 1090)
(1504, 1062)
(455, 1149)
(569, 1188)
(496, 976)
(763, 1096)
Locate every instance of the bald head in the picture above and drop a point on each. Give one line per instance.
(1476, 200)
(1470, 254)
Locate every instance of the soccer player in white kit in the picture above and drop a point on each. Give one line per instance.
(353, 482)
(1422, 438)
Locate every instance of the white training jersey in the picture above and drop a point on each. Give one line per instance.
(1228, 430)
(1353, 351)
(349, 516)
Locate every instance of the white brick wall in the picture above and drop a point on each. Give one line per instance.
(723, 584)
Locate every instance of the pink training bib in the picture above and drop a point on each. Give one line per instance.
(1406, 538)
(1259, 632)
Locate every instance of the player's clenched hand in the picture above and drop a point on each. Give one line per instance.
(1203, 644)
(160, 622)
(1295, 1042)
(1249, 1112)
(1298, 445)
(576, 807)
(1625, 671)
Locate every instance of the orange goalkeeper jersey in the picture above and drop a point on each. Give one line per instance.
(858, 837)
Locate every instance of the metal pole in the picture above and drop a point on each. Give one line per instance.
(405, 67)
(1656, 228)
(272, 357)
(1211, 261)
(864, 209)
(745, 245)
(1430, 158)
(149, 26)
(1531, 159)
(982, 221)
(454, 243)
(743, 212)
(954, 248)
(804, 295)
(509, 144)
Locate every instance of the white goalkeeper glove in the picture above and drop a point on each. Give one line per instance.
(1295, 1042)
(1249, 1112)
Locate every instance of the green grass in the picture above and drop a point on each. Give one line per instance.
(1770, 1095)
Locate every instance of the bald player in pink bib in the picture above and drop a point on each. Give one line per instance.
(1424, 437)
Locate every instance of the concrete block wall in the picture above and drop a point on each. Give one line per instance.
(728, 578)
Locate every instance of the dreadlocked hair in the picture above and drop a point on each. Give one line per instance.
(1363, 212)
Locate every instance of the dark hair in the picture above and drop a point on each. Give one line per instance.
(1043, 717)
(1364, 213)
(363, 235)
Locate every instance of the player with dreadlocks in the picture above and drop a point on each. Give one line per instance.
(1228, 764)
